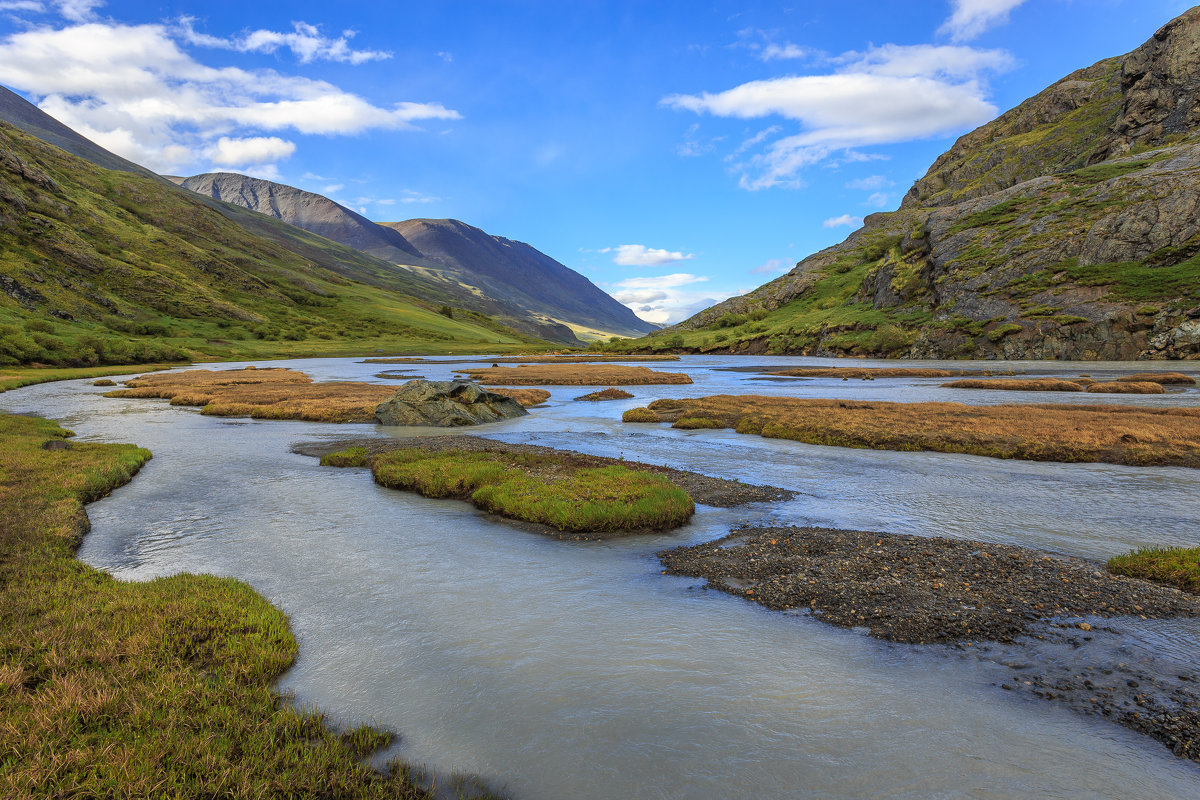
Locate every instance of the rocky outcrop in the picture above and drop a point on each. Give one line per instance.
(1067, 228)
(446, 404)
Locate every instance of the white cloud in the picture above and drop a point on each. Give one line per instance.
(78, 10)
(870, 183)
(638, 255)
(304, 40)
(229, 152)
(973, 17)
(845, 220)
(20, 5)
(333, 188)
(877, 200)
(663, 299)
(775, 266)
(885, 95)
(132, 89)
(775, 52)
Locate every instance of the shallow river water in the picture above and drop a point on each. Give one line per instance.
(577, 670)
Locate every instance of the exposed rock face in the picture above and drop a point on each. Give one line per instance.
(1066, 228)
(446, 404)
(312, 212)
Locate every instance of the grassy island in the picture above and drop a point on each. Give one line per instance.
(1115, 434)
(547, 489)
(1174, 566)
(157, 689)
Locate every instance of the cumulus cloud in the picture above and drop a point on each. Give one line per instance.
(638, 255)
(972, 17)
(230, 152)
(884, 95)
(132, 89)
(305, 41)
(663, 299)
(845, 220)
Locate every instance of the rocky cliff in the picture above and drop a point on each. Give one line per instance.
(1066, 228)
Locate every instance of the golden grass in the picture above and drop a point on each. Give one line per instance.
(1114, 434)
(1174, 566)
(1126, 387)
(871, 372)
(1177, 378)
(526, 397)
(16, 377)
(611, 393)
(1017, 385)
(576, 375)
(156, 689)
(273, 393)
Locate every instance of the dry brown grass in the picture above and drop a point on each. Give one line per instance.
(1017, 385)
(611, 393)
(526, 397)
(576, 375)
(872, 372)
(263, 394)
(1176, 378)
(1126, 387)
(1114, 434)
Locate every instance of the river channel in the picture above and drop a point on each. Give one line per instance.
(577, 670)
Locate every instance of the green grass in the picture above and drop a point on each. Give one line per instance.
(16, 377)
(1138, 281)
(106, 267)
(1176, 566)
(546, 489)
(155, 689)
(349, 457)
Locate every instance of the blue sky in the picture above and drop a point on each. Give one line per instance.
(674, 152)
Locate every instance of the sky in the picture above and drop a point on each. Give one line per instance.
(676, 153)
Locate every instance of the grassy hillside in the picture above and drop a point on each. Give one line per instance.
(1065, 228)
(103, 267)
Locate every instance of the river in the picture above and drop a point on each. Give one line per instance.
(577, 670)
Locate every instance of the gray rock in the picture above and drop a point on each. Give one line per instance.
(446, 404)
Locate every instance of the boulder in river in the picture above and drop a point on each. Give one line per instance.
(445, 404)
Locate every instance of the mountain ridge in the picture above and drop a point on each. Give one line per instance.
(1065, 228)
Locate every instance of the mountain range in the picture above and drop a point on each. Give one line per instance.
(1067, 228)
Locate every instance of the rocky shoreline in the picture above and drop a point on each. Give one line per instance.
(1036, 615)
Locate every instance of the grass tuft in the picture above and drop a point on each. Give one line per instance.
(1176, 566)
(350, 457)
(155, 689)
(550, 490)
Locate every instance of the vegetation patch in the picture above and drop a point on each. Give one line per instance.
(1113, 434)
(526, 397)
(16, 377)
(1017, 385)
(870, 372)
(155, 689)
(1126, 387)
(576, 375)
(1174, 566)
(696, 423)
(550, 490)
(272, 393)
(611, 393)
(1167, 378)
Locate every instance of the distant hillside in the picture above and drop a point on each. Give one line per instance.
(522, 275)
(509, 280)
(102, 266)
(306, 210)
(1067, 228)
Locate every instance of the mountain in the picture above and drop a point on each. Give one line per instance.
(327, 253)
(519, 273)
(107, 266)
(306, 210)
(1067, 228)
(509, 280)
